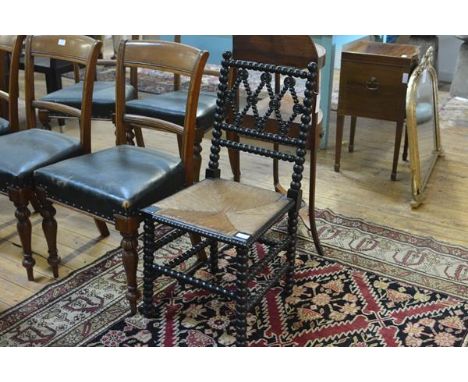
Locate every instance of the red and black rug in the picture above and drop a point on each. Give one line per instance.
(333, 304)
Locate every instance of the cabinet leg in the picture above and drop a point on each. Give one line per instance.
(339, 140)
(352, 132)
(405, 147)
(396, 153)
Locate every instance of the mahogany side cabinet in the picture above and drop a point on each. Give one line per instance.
(373, 82)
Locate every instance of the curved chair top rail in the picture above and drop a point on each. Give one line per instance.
(162, 55)
(11, 43)
(76, 49)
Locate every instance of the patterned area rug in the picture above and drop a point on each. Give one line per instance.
(157, 82)
(375, 287)
(154, 81)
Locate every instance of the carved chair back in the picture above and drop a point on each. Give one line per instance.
(175, 58)
(79, 50)
(230, 116)
(10, 46)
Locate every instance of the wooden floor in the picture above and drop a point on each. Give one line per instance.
(362, 189)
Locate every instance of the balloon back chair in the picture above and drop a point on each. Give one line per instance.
(27, 150)
(114, 184)
(235, 214)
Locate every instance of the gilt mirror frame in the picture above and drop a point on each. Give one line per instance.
(419, 180)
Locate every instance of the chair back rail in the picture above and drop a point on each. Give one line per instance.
(230, 116)
(170, 57)
(69, 48)
(11, 45)
(82, 50)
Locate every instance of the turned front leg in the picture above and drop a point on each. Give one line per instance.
(128, 228)
(20, 198)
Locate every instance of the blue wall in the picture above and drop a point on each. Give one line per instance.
(216, 45)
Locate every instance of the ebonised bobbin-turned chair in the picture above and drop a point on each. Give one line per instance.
(114, 184)
(10, 50)
(27, 150)
(294, 51)
(232, 213)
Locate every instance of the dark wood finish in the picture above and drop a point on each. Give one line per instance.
(289, 50)
(199, 131)
(214, 257)
(175, 58)
(298, 52)
(54, 69)
(352, 133)
(148, 260)
(405, 147)
(233, 213)
(49, 226)
(339, 138)
(20, 198)
(128, 228)
(102, 227)
(372, 85)
(4, 76)
(10, 51)
(396, 151)
(77, 50)
(80, 50)
(158, 55)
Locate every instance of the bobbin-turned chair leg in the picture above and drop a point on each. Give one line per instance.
(214, 257)
(242, 292)
(148, 278)
(291, 250)
(197, 150)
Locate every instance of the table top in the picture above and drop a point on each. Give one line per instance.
(382, 49)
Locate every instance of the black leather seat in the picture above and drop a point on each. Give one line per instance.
(171, 107)
(119, 180)
(25, 151)
(103, 97)
(4, 126)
